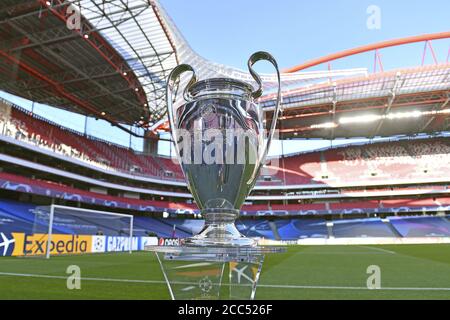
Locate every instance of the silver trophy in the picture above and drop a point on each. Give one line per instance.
(221, 144)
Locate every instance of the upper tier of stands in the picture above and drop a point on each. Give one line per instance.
(381, 161)
(369, 163)
(35, 130)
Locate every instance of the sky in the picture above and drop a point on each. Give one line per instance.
(294, 31)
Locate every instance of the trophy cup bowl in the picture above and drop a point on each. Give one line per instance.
(219, 137)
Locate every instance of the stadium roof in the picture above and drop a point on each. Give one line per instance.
(313, 101)
(398, 102)
(114, 66)
(369, 106)
(111, 65)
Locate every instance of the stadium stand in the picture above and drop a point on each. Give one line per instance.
(382, 161)
(390, 160)
(256, 228)
(19, 217)
(16, 217)
(421, 226)
(411, 159)
(23, 126)
(188, 226)
(293, 229)
(13, 182)
(370, 227)
(58, 190)
(146, 225)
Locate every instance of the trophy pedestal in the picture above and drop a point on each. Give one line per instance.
(220, 230)
(221, 143)
(211, 273)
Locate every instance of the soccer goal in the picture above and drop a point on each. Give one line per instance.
(70, 230)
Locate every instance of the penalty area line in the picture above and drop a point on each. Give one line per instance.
(45, 276)
(378, 249)
(350, 288)
(281, 286)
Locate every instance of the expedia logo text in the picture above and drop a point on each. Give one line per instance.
(19, 244)
(170, 242)
(36, 244)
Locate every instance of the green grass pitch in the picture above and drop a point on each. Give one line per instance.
(303, 272)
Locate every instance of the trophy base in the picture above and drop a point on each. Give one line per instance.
(195, 269)
(197, 272)
(220, 230)
(220, 234)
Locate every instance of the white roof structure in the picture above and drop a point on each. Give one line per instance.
(136, 30)
(145, 35)
(208, 69)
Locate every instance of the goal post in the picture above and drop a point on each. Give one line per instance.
(54, 224)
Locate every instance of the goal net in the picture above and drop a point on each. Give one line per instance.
(69, 230)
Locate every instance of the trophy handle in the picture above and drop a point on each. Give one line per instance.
(257, 56)
(173, 76)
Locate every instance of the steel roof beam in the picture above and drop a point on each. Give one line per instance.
(70, 77)
(93, 72)
(433, 118)
(46, 37)
(333, 110)
(391, 98)
(67, 63)
(156, 65)
(103, 48)
(24, 7)
(366, 48)
(61, 90)
(129, 44)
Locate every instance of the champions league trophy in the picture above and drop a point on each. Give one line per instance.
(219, 140)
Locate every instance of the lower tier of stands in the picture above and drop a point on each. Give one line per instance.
(12, 182)
(20, 217)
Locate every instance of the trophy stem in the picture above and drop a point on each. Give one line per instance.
(219, 215)
(220, 230)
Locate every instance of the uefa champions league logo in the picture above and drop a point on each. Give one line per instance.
(205, 285)
(99, 243)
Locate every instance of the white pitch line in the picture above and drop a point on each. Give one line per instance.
(29, 275)
(188, 288)
(336, 253)
(379, 249)
(351, 288)
(194, 265)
